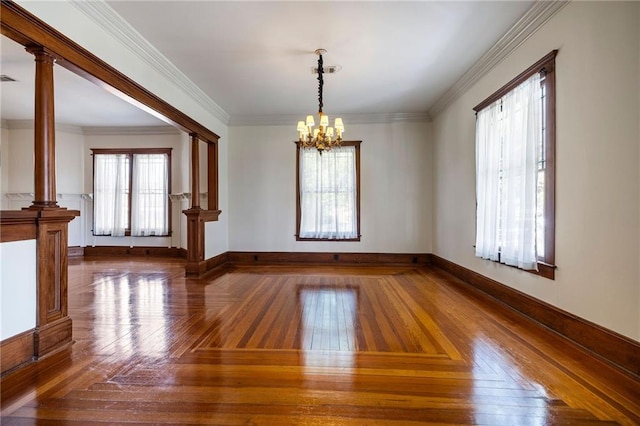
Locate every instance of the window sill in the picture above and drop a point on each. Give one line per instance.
(135, 236)
(544, 269)
(332, 240)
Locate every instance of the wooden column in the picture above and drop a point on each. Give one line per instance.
(195, 171)
(212, 175)
(44, 131)
(53, 325)
(196, 216)
(195, 226)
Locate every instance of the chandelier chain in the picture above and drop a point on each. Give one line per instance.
(320, 82)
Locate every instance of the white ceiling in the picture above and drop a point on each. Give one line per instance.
(254, 59)
(78, 102)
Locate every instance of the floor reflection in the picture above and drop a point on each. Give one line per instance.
(130, 315)
(516, 401)
(328, 325)
(329, 317)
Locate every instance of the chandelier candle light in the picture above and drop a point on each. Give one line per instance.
(323, 138)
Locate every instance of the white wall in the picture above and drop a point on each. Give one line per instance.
(69, 179)
(17, 287)
(396, 198)
(598, 180)
(20, 170)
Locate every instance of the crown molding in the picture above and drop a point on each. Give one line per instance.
(137, 130)
(531, 21)
(107, 18)
(96, 130)
(29, 124)
(292, 119)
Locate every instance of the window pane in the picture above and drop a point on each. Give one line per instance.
(328, 194)
(111, 194)
(150, 195)
(540, 215)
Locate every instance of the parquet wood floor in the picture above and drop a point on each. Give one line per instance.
(280, 345)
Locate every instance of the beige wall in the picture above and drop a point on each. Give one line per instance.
(597, 191)
(396, 200)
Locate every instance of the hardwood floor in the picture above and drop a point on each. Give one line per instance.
(315, 345)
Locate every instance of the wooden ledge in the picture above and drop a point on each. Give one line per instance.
(202, 215)
(17, 216)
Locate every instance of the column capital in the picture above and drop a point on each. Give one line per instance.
(41, 53)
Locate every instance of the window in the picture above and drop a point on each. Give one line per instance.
(328, 194)
(515, 171)
(131, 192)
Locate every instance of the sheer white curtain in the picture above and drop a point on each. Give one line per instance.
(328, 194)
(508, 134)
(150, 195)
(110, 193)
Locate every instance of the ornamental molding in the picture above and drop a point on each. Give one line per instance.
(107, 18)
(531, 21)
(288, 119)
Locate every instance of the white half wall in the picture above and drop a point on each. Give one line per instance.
(396, 182)
(17, 287)
(598, 176)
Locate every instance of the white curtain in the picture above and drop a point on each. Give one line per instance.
(508, 135)
(328, 194)
(111, 186)
(150, 195)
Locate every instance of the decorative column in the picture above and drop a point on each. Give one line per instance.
(53, 325)
(212, 175)
(195, 171)
(195, 226)
(44, 132)
(196, 216)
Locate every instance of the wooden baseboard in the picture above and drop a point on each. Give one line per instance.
(51, 337)
(199, 268)
(16, 350)
(216, 261)
(75, 251)
(134, 251)
(614, 348)
(240, 257)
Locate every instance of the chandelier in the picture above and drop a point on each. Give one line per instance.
(324, 137)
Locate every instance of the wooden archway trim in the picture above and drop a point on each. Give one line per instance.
(26, 29)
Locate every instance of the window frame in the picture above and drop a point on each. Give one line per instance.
(546, 66)
(355, 144)
(130, 152)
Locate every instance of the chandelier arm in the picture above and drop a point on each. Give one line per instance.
(320, 83)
